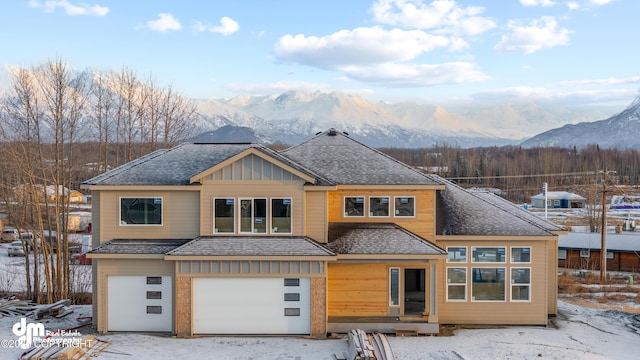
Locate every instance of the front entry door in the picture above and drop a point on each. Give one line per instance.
(414, 291)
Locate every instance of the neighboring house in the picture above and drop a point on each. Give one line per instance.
(25, 191)
(578, 250)
(559, 200)
(322, 237)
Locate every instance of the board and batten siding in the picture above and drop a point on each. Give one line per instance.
(124, 267)
(315, 220)
(506, 312)
(212, 189)
(180, 216)
(422, 224)
(357, 289)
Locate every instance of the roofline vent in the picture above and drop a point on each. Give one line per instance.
(332, 132)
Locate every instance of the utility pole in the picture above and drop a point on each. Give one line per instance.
(603, 231)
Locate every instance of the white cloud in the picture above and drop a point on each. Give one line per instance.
(227, 26)
(600, 2)
(70, 9)
(587, 4)
(572, 5)
(539, 34)
(543, 3)
(608, 81)
(417, 75)
(554, 95)
(164, 23)
(277, 87)
(361, 46)
(440, 16)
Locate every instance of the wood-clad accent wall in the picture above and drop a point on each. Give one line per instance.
(357, 289)
(423, 224)
(315, 221)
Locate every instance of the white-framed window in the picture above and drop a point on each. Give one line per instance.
(488, 284)
(520, 284)
(488, 254)
(404, 206)
(394, 286)
(585, 253)
(521, 254)
(253, 215)
(379, 206)
(354, 206)
(562, 254)
(609, 255)
(281, 222)
(140, 211)
(456, 284)
(224, 215)
(456, 254)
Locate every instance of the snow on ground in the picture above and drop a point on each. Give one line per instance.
(577, 333)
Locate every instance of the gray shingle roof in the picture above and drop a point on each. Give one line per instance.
(625, 242)
(177, 165)
(377, 239)
(343, 160)
(252, 246)
(139, 246)
(464, 212)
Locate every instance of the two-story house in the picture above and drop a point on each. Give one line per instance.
(322, 237)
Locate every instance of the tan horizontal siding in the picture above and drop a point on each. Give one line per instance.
(315, 221)
(180, 218)
(499, 312)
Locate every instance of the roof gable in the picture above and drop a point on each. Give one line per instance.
(254, 164)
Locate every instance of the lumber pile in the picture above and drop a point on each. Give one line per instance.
(25, 308)
(369, 347)
(83, 348)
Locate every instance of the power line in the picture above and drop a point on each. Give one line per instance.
(523, 176)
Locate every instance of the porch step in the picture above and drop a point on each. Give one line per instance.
(406, 331)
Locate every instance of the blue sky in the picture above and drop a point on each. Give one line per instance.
(579, 51)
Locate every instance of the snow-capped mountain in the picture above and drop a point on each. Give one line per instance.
(293, 116)
(618, 131)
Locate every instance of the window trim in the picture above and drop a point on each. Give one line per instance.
(270, 204)
(121, 223)
(504, 283)
(512, 284)
(473, 249)
(466, 255)
(344, 206)
(215, 229)
(562, 251)
(404, 216)
(371, 215)
(520, 247)
(463, 284)
(585, 253)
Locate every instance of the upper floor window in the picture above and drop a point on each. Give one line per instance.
(521, 254)
(354, 206)
(141, 211)
(379, 206)
(457, 254)
(488, 254)
(405, 206)
(224, 219)
(253, 216)
(281, 216)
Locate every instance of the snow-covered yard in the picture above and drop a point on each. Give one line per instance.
(577, 333)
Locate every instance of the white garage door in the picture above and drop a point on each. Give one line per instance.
(251, 306)
(140, 303)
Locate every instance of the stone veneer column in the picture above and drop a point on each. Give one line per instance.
(319, 307)
(183, 306)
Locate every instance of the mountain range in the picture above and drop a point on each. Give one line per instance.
(294, 116)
